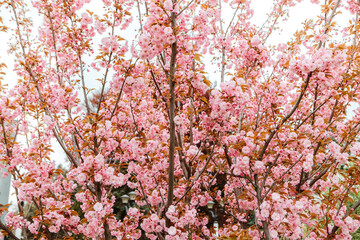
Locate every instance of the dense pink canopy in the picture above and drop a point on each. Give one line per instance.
(129, 94)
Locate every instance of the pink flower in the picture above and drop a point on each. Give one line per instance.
(273, 234)
(168, 31)
(133, 212)
(172, 231)
(53, 229)
(255, 41)
(5, 174)
(265, 213)
(171, 209)
(168, 5)
(317, 38)
(98, 177)
(307, 166)
(275, 196)
(86, 19)
(98, 207)
(81, 178)
(246, 150)
(193, 150)
(259, 166)
(107, 2)
(355, 149)
(206, 231)
(99, 27)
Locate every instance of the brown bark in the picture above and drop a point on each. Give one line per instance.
(171, 170)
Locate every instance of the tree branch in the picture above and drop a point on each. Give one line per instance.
(171, 177)
(286, 117)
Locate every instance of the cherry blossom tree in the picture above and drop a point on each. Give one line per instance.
(273, 148)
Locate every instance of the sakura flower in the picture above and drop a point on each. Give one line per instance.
(177, 120)
(275, 196)
(133, 212)
(98, 177)
(107, 2)
(168, 30)
(53, 229)
(172, 209)
(5, 174)
(99, 27)
(98, 207)
(259, 166)
(355, 149)
(265, 213)
(81, 178)
(86, 19)
(172, 231)
(255, 41)
(193, 150)
(317, 38)
(307, 166)
(246, 150)
(168, 5)
(273, 234)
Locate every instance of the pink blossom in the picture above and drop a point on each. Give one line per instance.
(260, 128)
(99, 27)
(98, 177)
(98, 207)
(275, 196)
(246, 150)
(86, 19)
(133, 212)
(53, 229)
(255, 41)
(5, 174)
(168, 5)
(168, 30)
(172, 231)
(259, 166)
(171, 209)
